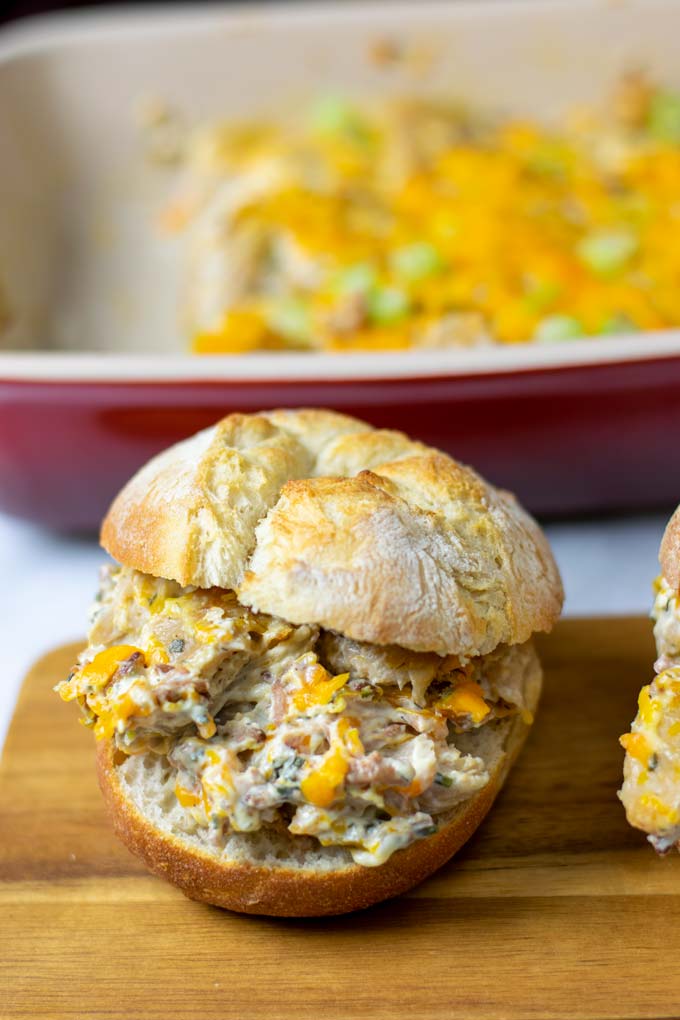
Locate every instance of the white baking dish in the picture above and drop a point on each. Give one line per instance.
(84, 266)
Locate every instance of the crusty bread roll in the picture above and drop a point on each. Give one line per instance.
(373, 557)
(317, 518)
(669, 553)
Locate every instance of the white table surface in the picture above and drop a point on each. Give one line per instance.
(49, 580)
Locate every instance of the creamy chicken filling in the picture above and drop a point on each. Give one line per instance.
(666, 614)
(651, 787)
(271, 724)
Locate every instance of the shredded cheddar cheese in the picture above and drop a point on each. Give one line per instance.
(636, 746)
(467, 699)
(318, 687)
(110, 717)
(97, 674)
(649, 709)
(321, 785)
(156, 652)
(379, 227)
(669, 814)
(186, 797)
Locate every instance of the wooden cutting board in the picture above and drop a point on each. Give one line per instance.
(554, 909)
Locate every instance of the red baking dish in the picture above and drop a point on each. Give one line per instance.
(92, 375)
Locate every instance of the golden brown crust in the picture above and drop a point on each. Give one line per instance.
(289, 892)
(189, 515)
(669, 553)
(422, 554)
(318, 518)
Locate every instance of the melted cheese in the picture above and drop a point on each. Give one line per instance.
(321, 785)
(186, 797)
(467, 699)
(318, 687)
(669, 814)
(156, 652)
(97, 674)
(649, 709)
(113, 716)
(636, 746)
(505, 231)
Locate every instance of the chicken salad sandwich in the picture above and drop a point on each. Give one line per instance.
(310, 667)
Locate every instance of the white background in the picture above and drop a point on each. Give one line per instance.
(48, 582)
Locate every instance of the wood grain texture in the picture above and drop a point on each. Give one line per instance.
(554, 909)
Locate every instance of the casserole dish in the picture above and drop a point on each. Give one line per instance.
(93, 374)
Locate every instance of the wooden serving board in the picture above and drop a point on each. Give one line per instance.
(554, 909)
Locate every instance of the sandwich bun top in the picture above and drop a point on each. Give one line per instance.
(319, 518)
(669, 553)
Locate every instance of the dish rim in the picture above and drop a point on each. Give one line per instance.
(325, 368)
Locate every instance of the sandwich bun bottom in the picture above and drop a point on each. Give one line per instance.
(271, 874)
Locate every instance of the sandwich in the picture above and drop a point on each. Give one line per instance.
(651, 769)
(310, 668)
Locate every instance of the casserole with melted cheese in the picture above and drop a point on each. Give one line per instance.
(418, 223)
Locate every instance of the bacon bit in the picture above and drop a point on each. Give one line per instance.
(279, 701)
(178, 685)
(393, 731)
(373, 768)
(244, 733)
(128, 664)
(298, 742)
